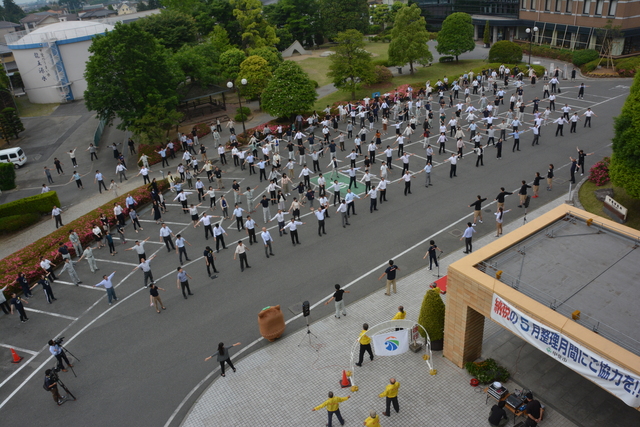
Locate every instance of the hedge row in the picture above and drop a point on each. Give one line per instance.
(18, 222)
(27, 260)
(40, 204)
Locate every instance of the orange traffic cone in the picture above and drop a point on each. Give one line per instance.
(346, 382)
(16, 358)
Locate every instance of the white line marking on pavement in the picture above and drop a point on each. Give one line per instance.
(116, 262)
(50, 314)
(21, 350)
(164, 222)
(71, 284)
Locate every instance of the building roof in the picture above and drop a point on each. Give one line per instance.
(37, 17)
(7, 24)
(100, 13)
(62, 31)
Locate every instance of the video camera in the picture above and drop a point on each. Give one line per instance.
(58, 341)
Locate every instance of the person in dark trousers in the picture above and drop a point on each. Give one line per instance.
(46, 287)
(523, 193)
(333, 407)
(24, 284)
(477, 210)
(339, 303)
(241, 252)
(59, 354)
(365, 344)
(431, 252)
(391, 395)
(581, 156)
(468, 237)
(534, 411)
(3, 301)
(498, 416)
(222, 356)
(574, 168)
(51, 385)
(17, 303)
(209, 258)
(182, 281)
(500, 197)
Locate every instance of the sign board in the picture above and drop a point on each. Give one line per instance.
(618, 381)
(619, 210)
(415, 333)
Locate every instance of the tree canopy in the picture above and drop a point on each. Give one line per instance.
(351, 65)
(409, 38)
(256, 31)
(290, 91)
(12, 12)
(341, 15)
(129, 76)
(230, 61)
(456, 35)
(173, 29)
(299, 18)
(256, 70)
(624, 168)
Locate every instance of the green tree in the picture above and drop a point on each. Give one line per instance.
(173, 29)
(380, 14)
(270, 54)
(300, 18)
(199, 63)
(624, 168)
(12, 12)
(456, 35)
(486, 37)
(256, 30)
(154, 125)
(409, 38)
(289, 92)
(505, 52)
(10, 123)
(351, 65)
(431, 315)
(256, 70)
(219, 38)
(184, 6)
(218, 12)
(230, 61)
(128, 74)
(342, 15)
(71, 5)
(152, 5)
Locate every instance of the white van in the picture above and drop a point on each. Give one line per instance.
(13, 155)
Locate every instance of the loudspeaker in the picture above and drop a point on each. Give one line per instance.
(305, 309)
(527, 201)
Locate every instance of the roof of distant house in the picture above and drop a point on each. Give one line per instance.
(7, 24)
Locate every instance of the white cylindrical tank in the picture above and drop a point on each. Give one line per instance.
(52, 59)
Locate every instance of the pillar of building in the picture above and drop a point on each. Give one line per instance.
(495, 34)
(592, 41)
(554, 37)
(572, 44)
(476, 32)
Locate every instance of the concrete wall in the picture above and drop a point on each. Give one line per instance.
(75, 57)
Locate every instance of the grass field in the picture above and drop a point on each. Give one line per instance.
(27, 109)
(593, 205)
(421, 75)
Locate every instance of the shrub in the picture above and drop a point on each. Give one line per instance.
(486, 37)
(446, 59)
(599, 173)
(39, 204)
(383, 75)
(18, 222)
(627, 67)
(7, 176)
(488, 371)
(581, 57)
(432, 315)
(381, 62)
(374, 29)
(244, 110)
(316, 85)
(590, 66)
(505, 52)
(240, 117)
(27, 259)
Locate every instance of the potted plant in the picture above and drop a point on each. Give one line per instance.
(432, 318)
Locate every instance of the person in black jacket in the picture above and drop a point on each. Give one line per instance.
(498, 416)
(500, 197)
(523, 193)
(477, 210)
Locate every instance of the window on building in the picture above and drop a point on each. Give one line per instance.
(613, 6)
(524, 4)
(533, 4)
(599, 5)
(547, 5)
(569, 6)
(558, 5)
(587, 7)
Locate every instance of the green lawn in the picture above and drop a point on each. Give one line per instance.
(420, 77)
(593, 205)
(27, 109)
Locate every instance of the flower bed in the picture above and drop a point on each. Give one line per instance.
(27, 260)
(599, 173)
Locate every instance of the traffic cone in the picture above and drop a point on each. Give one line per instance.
(16, 358)
(346, 382)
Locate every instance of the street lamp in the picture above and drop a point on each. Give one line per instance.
(230, 86)
(531, 32)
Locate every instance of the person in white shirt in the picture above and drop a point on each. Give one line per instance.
(266, 238)
(165, 237)
(181, 248)
(342, 210)
(453, 160)
(373, 195)
(45, 189)
(499, 220)
(146, 269)
(293, 229)
(120, 169)
(427, 170)
(56, 213)
(241, 252)
(588, 114)
(407, 182)
(468, 236)
(560, 121)
(574, 121)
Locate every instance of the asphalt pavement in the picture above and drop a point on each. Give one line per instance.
(137, 367)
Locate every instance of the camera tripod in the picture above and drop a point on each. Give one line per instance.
(438, 266)
(64, 387)
(309, 333)
(64, 349)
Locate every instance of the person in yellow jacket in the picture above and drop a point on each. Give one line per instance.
(373, 420)
(391, 393)
(333, 407)
(400, 315)
(365, 344)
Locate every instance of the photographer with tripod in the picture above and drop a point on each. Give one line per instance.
(55, 347)
(51, 384)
